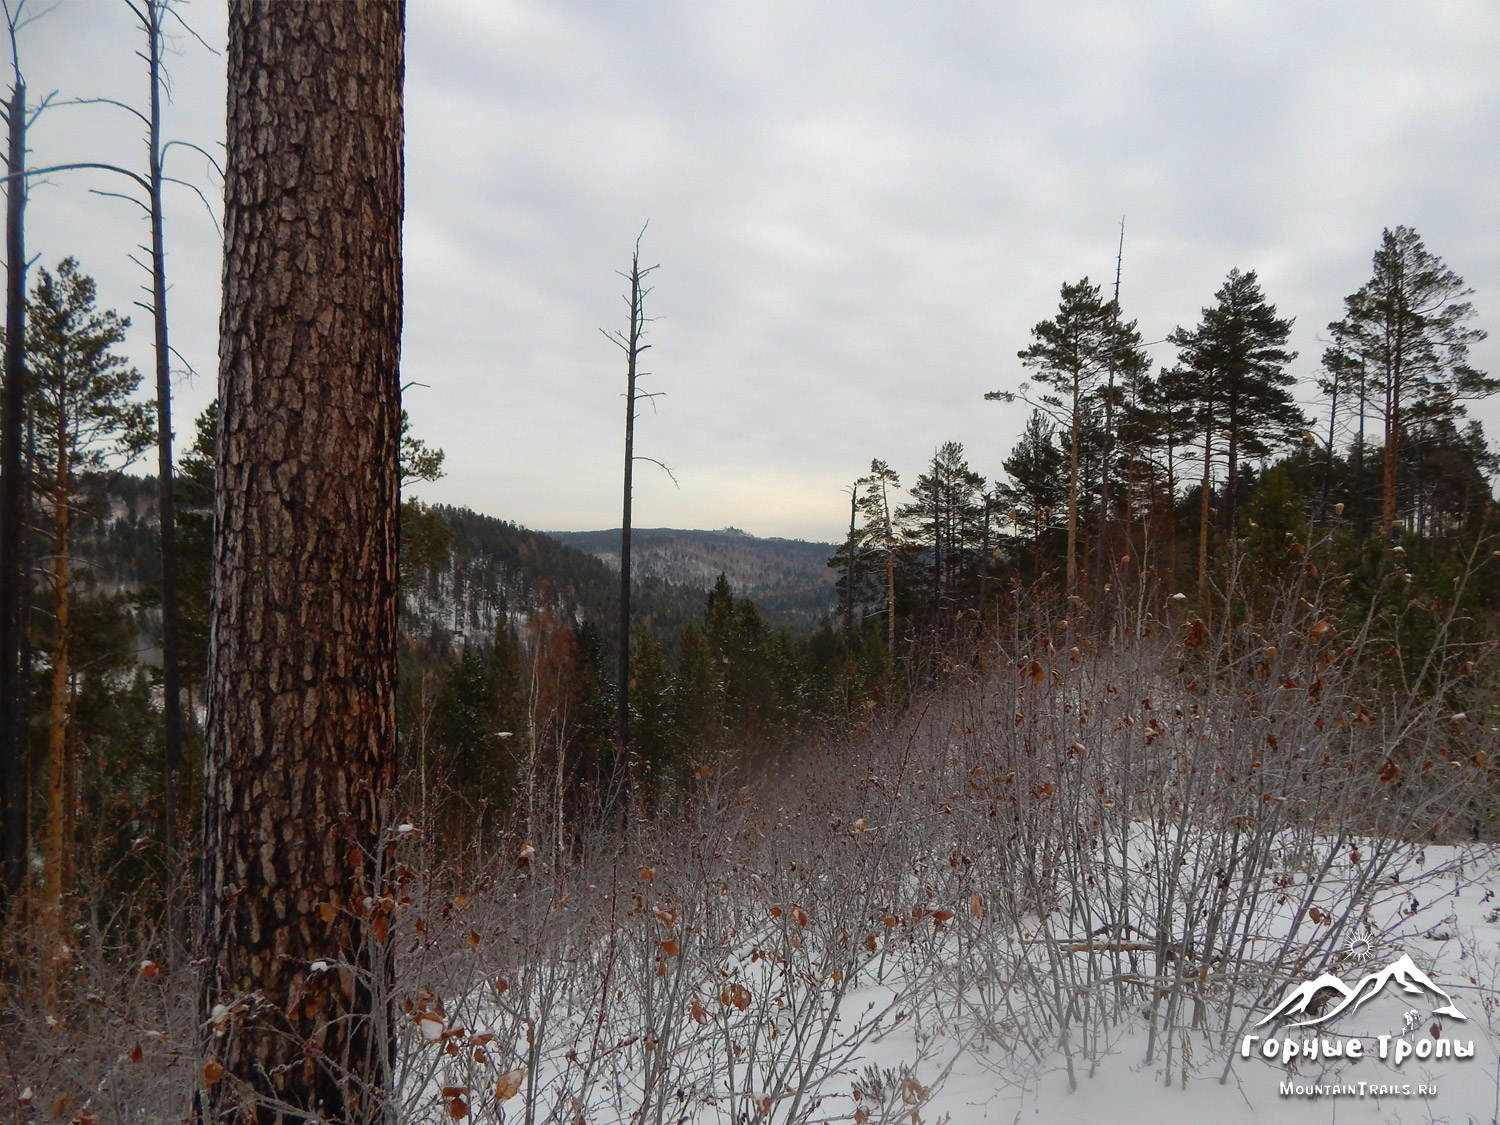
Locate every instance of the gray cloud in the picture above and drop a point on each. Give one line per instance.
(859, 211)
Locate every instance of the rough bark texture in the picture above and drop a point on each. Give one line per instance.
(303, 657)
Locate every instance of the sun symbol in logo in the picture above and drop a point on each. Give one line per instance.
(1361, 944)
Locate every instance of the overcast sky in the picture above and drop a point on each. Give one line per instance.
(859, 211)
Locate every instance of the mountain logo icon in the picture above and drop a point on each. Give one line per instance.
(1305, 998)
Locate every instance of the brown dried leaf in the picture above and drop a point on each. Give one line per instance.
(510, 1084)
(213, 1070)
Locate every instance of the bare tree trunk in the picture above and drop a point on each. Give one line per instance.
(302, 680)
(1074, 430)
(984, 556)
(630, 343)
(1390, 455)
(1203, 510)
(151, 14)
(890, 603)
(13, 786)
(850, 548)
(622, 728)
(57, 845)
(1171, 516)
(1333, 417)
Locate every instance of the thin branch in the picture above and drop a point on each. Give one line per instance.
(187, 367)
(201, 198)
(662, 467)
(171, 10)
(37, 112)
(108, 101)
(121, 195)
(29, 172)
(197, 148)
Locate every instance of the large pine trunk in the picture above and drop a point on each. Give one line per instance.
(301, 725)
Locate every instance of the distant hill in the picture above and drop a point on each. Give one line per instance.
(788, 578)
(497, 569)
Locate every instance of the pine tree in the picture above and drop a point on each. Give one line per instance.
(1409, 326)
(1231, 378)
(194, 489)
(943, 519)
(82, 416)
(1073, 355)
(1038, 486)
(877, 505)
(854, 564)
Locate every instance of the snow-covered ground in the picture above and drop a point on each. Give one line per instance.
(903, 1035)
(1455, 937)
(1062, 894)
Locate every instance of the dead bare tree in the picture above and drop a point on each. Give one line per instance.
(630, 343)
(13, 780)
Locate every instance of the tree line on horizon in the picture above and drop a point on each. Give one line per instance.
(1173, 480)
